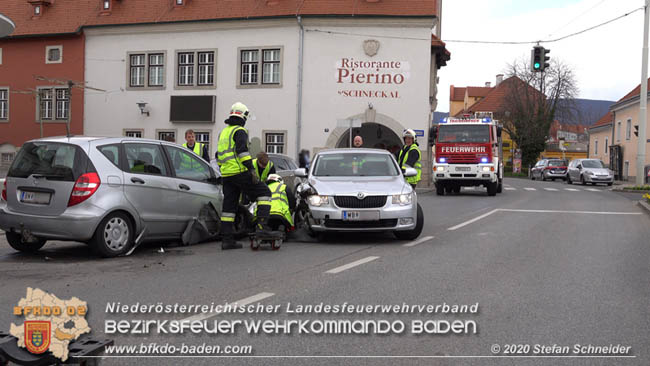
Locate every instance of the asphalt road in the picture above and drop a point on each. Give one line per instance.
(548, 263)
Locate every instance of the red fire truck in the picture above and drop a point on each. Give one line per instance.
(468, 152)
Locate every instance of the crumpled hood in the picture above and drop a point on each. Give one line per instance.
(331, 186)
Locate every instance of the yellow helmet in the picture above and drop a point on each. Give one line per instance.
(274, 177)
(409, 133)
(240, 110)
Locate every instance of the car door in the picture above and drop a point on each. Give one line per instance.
(196, 183)
(150, 187)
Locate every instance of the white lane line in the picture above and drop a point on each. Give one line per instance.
(550, 189)
(571, 189)
(419, 241)
(592, 189)
(571, 212)
(530, 189)
(473, 220)
(242, 302)
(351, 265)
(510, 189)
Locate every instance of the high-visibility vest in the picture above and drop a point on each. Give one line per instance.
(418, 165)
(279, 201)
(186, 161)
(229, 162)
(265, 172)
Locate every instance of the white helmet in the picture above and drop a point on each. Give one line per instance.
(274, 177)
(409, 133)
(239, 110)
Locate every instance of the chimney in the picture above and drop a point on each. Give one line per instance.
(499, 79)
(488, 84)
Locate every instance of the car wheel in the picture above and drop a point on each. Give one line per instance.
(492, 189)
(582, 180)
(440, 189)
(542, 176)
(113, 236)
(532, 175)
(553, 179)
(500, 186)
(244, 223)
(412, 234)
(457, 189)
(609, 184)
(568, 179)
(16, 241)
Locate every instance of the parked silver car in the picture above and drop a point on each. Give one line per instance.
(107, 192)
(589, 171)
(361, 190)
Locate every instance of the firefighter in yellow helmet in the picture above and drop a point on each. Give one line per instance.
(283, 202)
(239, 176)
(410, 157)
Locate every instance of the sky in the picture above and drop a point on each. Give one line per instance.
(606, 61)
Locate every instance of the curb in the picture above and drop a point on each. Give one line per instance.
(645, 206)
(628, 190)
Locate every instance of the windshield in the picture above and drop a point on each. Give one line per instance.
(464, 133)
(592, 164)
(355, 164)
(556, 163)
(54, 161)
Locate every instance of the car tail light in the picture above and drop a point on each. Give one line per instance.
(4, 191)
(85, 186)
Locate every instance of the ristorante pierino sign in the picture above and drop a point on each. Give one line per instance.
(371, 73)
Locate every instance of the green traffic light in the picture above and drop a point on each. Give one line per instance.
(537, 65)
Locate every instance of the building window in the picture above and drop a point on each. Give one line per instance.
(626, 169)
(53, 54)
(206, 68)
(62, 104)
(37, 10)
(204, 138)
(186, 68)
(8, 157)
(618, 132)
(169, 136)
(596, 147)
(106, 4)
(196, 69)
(606, 145)
(628, 129)
(275, 143)
(146, 70)
(133, 133)
(4, 104)
(271, 67)
(249, 63)
(0, 56)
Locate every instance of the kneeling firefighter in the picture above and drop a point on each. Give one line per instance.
(283, 202)
(239, 176)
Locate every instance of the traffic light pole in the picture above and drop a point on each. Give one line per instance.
(643, 98)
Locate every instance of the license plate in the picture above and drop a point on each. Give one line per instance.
(463, 169)
(360, 215)
(39, 198)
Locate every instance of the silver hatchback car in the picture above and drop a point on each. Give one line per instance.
(360, 190)
(108, 192)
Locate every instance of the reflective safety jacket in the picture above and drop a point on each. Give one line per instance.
(231, 163)
(280, 201)
(405, 156)
(265, 173)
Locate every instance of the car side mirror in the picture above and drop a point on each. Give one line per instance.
(300, 172)
(579, 167)
(410, 172)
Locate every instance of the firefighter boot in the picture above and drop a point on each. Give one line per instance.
(228, 238)
(263, 230)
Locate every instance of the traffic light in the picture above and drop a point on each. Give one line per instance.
(636, 130)
(538, 59)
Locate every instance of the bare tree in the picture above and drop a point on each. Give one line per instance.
(532, 101)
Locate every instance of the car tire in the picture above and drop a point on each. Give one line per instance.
(532, 176)
(542, 177)
(16, 241)
(609, 184)
(500, 186)
(492, 188)
(553, 179)
(440, 189)
(568, 180)
(412, 234)
(114, 235)
(456, 190)
(582, 180)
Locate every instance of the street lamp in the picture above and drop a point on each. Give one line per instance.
(6, 26)
(143, 108)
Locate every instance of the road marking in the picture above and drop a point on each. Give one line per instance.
(351, 265)
(510, 189)
(592, 189)
(473, 220)
(571, 189)
(469, 188)
(540, 211)
(243, 302)
(530, 189)
(551, 189)
(571, 212)
(419, 241)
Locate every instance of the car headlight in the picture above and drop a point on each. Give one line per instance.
(402, 199)
(440, 168)
(317, 200)
(485, 169)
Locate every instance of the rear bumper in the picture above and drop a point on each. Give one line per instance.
(68, 226)
(550, 175)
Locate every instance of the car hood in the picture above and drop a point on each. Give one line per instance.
(598, 171)
(331, 186)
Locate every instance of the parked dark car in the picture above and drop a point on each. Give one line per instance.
(285, 167)
(549, 169)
